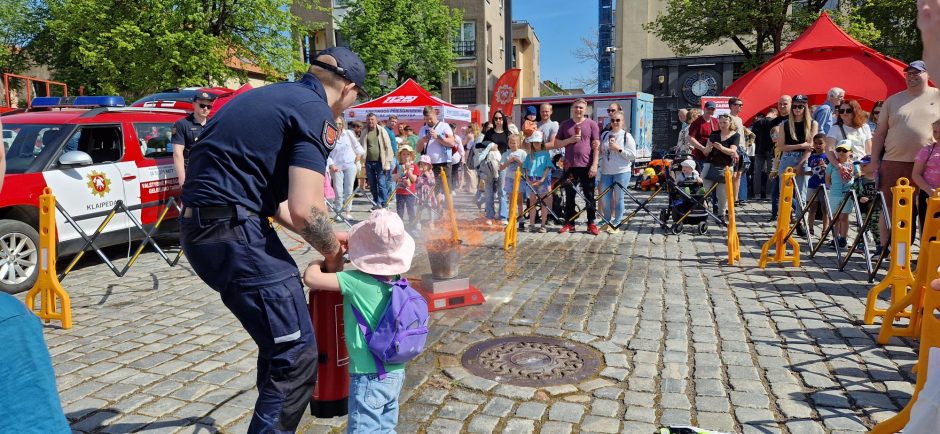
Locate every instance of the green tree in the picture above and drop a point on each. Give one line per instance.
(20, 23)
(139, 46)
(896, 22)
(759, 28)
(404, 38)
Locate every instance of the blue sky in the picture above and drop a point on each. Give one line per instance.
(559, 24)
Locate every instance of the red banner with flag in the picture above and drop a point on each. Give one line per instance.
(504, 93)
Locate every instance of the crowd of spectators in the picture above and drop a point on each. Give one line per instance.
(837, 144)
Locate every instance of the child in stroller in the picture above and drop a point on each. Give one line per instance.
(686, 195)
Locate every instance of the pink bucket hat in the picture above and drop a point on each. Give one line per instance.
(425, 159)
(379, 245)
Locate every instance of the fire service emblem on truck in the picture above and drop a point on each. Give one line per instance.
(99, 184)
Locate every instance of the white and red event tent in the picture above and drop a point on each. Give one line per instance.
(407, 102)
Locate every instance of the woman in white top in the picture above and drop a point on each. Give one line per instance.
(615, 164)
(343, 164)
(852, 125)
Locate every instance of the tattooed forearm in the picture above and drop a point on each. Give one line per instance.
(318, 231)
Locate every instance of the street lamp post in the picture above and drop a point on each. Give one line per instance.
(383, 80)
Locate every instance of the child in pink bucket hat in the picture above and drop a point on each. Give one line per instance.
(381, 251)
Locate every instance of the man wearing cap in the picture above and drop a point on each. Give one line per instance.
(186, 132)
(263, 156)
(904, 127)
(699, 131)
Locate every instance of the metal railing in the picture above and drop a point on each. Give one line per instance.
(465, 48)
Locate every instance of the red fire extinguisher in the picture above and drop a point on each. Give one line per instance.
(332, 389)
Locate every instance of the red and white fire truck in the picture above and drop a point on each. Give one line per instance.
(91, 151)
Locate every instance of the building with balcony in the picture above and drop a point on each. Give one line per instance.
(329, 35)
(481, 57)
(525, 55)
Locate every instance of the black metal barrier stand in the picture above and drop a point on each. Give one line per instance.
(148, 237)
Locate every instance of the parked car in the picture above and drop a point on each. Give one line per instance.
(91, 152)
(178, 98)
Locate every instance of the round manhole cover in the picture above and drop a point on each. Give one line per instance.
(532, 361)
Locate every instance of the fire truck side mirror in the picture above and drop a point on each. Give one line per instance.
(75, 158)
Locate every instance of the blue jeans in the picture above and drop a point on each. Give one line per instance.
(378, 182)
(792, 159)
(343, 184)
(491, 189)
(242, 258)
(373, 403)
(612, 205)
(742, 193)
(406, 203)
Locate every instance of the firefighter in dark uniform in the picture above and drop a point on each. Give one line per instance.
(186, 131)
(264, 155)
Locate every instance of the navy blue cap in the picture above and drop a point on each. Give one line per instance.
(864, 160)
(202, 94)
(531, 111)
(918, 65)
(348, 65)
(800, 99)
(710, 104)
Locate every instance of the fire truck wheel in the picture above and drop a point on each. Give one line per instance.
(19, 256)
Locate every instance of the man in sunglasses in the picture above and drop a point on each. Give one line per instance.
(262, 157)
(186, 132)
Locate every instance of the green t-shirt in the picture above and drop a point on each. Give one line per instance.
(373, 152)
(370, 297)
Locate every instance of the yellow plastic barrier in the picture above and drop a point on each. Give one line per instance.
(450, 207)
(734, 242)
(54, 302)
(899, 277)
(930, 337)
(922, 277)
(512, 228)
(779, 240)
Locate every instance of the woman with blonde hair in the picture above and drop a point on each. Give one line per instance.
(794, 138)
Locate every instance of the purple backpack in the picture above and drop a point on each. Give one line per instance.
(401, 332)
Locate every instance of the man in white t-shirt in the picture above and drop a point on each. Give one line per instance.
(437, 141)
(549, 129)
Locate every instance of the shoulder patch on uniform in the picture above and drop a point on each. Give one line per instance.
(329, 134)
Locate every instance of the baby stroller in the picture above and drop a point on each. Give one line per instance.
(684, 197)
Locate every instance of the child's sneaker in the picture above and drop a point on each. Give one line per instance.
(531, 228)
(543, 229)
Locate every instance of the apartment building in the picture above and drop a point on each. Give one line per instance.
(481, 56)
(525, 55)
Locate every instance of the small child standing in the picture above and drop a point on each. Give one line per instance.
(840, 176)
(817, 177)
(381, 251)
(513, 159)
(406, 194)
(867, 191)
(539, 173)
(427, 199)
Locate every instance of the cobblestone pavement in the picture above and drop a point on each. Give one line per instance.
(683, 339)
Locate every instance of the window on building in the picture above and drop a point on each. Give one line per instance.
(502, 46)
(501, 7)
(514, 65)
(340, 3)
(489, 42)
(466, 40)
(464, 77)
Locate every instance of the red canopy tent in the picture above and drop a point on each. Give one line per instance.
(407, 102)
(823, 57)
